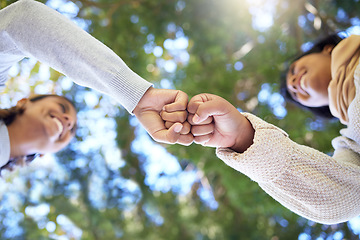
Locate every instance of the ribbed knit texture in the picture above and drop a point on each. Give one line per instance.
(31, 29)
(310, 183)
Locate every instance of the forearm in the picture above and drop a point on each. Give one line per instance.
(310, 183)
(251, 161)
(38, 31)
(319, 188)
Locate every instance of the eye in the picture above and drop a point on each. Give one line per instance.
(63, 109)
(73, 129)
(292, 69)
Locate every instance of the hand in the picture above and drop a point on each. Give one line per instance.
(217, 123)
(149, 112)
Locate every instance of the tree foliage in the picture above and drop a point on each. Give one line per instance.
(225, 53)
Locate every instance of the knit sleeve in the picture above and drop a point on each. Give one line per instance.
(4, 144)
(310, 183)
(29, 28)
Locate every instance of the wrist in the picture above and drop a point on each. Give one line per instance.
(144, 99)
(245, 137)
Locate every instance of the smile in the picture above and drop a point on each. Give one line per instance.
(302, 83)
(59, 125)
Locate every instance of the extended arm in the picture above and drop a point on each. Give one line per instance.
(31, 29)
(310, 183)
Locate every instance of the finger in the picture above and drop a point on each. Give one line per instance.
(197, 100)
(202, 130)
(186, 139)
(156, 128)
(185, 130)
(178, 116)
(179, 104)
(168, 124)
(170, 135)
(206, 121)
(203, 140)
(208, 109)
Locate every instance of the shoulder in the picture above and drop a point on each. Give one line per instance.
(22, 7)
(24, 3)
(352, 132)
(351, 42)
(4, 144)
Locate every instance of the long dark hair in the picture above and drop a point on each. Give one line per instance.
(323, 112)
(8, 116)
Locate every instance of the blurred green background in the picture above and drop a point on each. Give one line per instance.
(114, 182)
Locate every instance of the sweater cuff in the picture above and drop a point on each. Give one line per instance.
(128, 88)
(260, 161)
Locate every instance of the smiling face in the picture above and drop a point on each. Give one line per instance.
(308, 78)
(49, 123)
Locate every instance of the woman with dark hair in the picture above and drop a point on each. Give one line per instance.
(322, 111)
(312, 184)
(35, 126)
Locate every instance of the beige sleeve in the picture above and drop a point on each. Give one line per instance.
(310, 183)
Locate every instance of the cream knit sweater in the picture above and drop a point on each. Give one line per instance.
(310, 183)
(31, 29)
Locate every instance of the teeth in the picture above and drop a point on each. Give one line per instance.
(302, 84)
(59, 125)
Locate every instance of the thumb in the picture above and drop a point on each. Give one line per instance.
(170, 135)
(173, 133)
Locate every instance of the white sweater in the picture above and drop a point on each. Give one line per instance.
(31, 29)
(4, 144)
(308, 182)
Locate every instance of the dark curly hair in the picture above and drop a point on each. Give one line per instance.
(323, 112)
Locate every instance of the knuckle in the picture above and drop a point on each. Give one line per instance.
(172, 138)
(186, 140)
(183, 116)
(168, 124)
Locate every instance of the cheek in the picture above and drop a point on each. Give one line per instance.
(320, 86)
(63, 143)
(317, 87)
(320, 81)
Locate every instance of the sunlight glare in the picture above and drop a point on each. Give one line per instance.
(263, 13)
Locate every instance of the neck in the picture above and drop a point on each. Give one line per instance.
(15, 145)
(20, 143)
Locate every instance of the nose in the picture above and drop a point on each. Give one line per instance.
(68, 120)
(291, 84)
